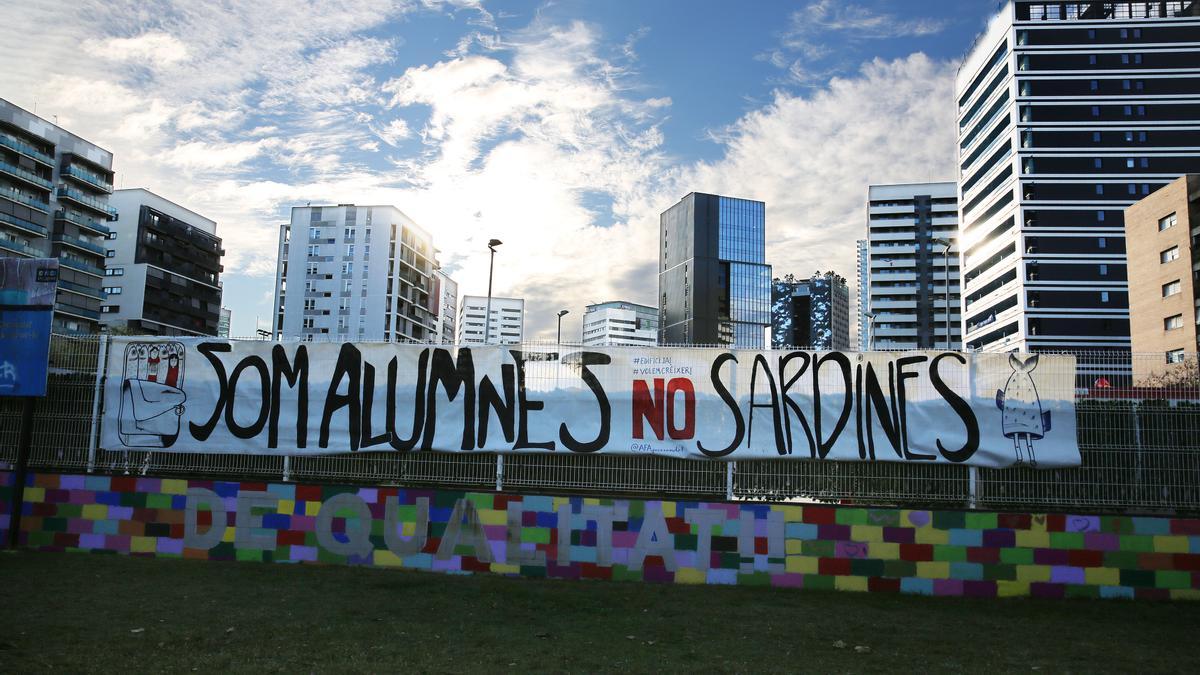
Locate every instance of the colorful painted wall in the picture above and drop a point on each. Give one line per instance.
(847, 548)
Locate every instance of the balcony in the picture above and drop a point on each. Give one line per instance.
(81, 290)
(81, 312)
(9, 246)
(92, 203)
(80, 244)
(20, 147)
(86, 177)
(80, 266)
(25, 175)
(23, 225)
(14, 195)
(85, 223)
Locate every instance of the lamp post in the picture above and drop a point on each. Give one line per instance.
(870, 330)
(946, 273)
(561, 314)
(487, 318)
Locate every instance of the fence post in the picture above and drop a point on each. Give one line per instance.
(97, 391)
(499, 472)
(729, 469)
(287, 468)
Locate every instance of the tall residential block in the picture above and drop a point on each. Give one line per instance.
(446, 292)
(620, 323)
(864, 293)
(1067, 113)
(714, 284)
(350, 272)
(223, 323)
(507, 320)
(54, 189)
(163, 268)
(1162, 232)
(912, 277)
(812, 312)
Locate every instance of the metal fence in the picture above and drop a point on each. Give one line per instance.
(1140, 447)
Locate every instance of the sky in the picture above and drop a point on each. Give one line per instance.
(563, 128)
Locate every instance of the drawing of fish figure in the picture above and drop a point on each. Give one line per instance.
(1023, 419)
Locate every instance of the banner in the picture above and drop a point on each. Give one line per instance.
(27, 290)
(300, 398)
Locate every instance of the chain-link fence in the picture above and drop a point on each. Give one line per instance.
(1138, 423)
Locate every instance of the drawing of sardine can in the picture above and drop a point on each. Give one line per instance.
(152, 395)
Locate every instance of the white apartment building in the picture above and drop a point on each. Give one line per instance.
(620, 323)
(506, 324)
(1068, 112)
(447, 308)
(909, 266)
(162, 267)
(350, 272)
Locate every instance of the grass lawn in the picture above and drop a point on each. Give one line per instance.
(79, 612)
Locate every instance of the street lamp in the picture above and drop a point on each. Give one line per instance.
(561, 314)
(870, 330)
(946, 270)
(487, 318)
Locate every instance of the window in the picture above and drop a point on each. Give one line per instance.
(1166, 222)
(112, 290)
(1098, 163)
(350, 250)
(1096, 85)
(111, 235)
(1169, 255)
(114, 272)
(1102, 242)
(1091, 59)
(110, 309)
(1175, 356)
(1173, 322)
(109, 253)
(1096, 137)
(1103, 296)
(1104, 270)
(1125, 58)
(1095, 111)
(1171, 288)
(1099, 188)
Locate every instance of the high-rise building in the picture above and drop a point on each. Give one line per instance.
(224, 322)
(446, 291)
(913, 270)
(620, 323)
(811, 312)
(1163, 254)
(163, 268)
(864, 293)
(351, 272)
(713, 281)
(507, 320)
(1067, 113)
(54, 189)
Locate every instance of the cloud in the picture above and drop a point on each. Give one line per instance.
(824, 29)
(150, 49)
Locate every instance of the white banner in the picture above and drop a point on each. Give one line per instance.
(297, 398)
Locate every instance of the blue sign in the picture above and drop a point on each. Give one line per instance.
(27, 289)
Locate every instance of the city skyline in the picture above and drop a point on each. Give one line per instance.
(560, 129)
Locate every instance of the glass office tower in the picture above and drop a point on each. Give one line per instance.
(714, 284)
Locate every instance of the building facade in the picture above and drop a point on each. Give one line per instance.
(864, 287)
(350, 272)
(912, 278)
(810, 313)
(507, 320)
(163, 268)
(54, 189)
(713, 281)
(224, 321)
(620, 323)
(1067, 113)
(446, 310)
(1162, 234)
